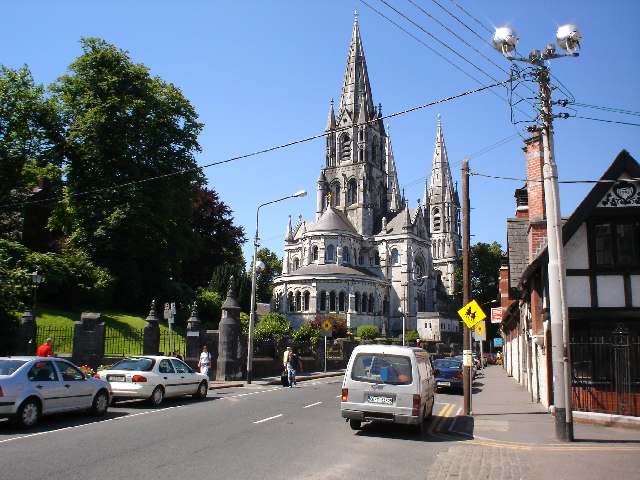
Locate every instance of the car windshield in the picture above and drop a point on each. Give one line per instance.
(447, 364)
(7, 367)
(380, 368)
(140, 364)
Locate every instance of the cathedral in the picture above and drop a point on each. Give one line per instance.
(368, 256)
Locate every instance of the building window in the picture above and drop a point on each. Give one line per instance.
(323, 301)
(307, 295)
(357, 301)
(341, 302)
(360, 258)
(314, 253)
(371, 303)
(617, 244)
(385, 306)
(364, 303)
(335, 194)
(290, 303)
(346, 258)
(352, 192)
(395, 257)
(296, 263)
(345, 147)
(436, 219)
(298, 301)
(332, 301)
(374, 151)
(330, 256)
(376, 258)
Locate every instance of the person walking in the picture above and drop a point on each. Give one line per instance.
(292, 364)
(46, 349)
(205, 361)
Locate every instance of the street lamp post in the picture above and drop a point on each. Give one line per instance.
(568, 38)
(259, 265)
(36, 280)
(410, 279)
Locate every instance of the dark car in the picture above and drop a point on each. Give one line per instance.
(448, 373)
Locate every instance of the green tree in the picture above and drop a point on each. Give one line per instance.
(31, 153)
(123, 126)
(273, 268)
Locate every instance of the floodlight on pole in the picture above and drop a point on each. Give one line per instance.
(257, 267)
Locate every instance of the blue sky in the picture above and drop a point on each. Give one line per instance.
(261, 73)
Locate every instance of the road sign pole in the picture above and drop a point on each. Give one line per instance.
(466, 290)
(325, 354)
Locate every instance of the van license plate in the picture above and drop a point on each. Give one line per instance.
(382, 399)
(444, 384)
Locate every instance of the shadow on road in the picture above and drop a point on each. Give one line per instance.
(431, 434)
(169, 402)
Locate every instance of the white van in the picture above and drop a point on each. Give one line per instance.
(385, 383)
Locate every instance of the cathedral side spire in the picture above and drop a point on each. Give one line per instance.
(331, 118)
(393, 188)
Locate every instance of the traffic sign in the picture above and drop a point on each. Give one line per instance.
(480, 332)
(471, 314)
(496, 315)
(327, 328)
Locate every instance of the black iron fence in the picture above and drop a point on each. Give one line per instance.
(175, 343)
(606, 373)
(62, 338)
(122, 341)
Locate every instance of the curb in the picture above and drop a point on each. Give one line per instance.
(305, 378)
(213, 386)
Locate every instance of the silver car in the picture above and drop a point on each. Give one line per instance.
(31, 387)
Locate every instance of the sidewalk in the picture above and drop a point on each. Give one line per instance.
(214, 385)
(509, 437)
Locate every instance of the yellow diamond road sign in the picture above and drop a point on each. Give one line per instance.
(326, 325)
(480, 328)
(471, 314)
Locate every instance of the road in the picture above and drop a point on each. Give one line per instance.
(258, 432)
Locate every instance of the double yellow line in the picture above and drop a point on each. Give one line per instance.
(442, 416)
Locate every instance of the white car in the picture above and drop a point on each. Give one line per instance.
(153, 377)
(34, 386)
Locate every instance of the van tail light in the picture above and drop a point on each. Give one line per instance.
(417, 400)
(138, 378)
(1, 392)
(345, 395)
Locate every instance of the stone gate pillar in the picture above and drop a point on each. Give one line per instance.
(88, 340)
(195, 338)
(229, 359)
(28, 330)
(151, 334)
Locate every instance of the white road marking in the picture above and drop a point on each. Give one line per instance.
(268, 418)
(312, 405)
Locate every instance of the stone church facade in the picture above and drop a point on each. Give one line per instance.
(368, 257)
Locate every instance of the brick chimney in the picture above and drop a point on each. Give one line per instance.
(522, 202)
(534, 155)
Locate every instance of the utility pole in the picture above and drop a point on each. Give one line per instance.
(467, 377)
(568, 38)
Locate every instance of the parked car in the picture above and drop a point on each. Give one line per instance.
(31, 387)
(154, 378)
(385, 383)
(490, 358)
(474, 365)
(448, 373)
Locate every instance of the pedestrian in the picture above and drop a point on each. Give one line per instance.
(46, 349)
(205, 361)
(292, 364)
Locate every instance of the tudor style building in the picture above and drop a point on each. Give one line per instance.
(367, 256)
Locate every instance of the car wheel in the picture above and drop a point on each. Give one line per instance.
(29, 413)
(157, 396)
(201, 393)
(100, 404)
(355, 424)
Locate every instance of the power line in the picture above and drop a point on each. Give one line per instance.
(257, 152)
(471, 16)
(606, 109)
(605, 120)
(516, 179)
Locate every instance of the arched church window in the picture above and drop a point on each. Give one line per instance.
(314, 253)
(376, 258)
(360, 258)
(395, 257)
(352, 192)
(364, 303)
(385, 306)
(346, 258)
(357, 301)
(330, 254)
(341, 302)
(437, 221)
(298, 301)
(360, 155)
(307, 296)
(371, 303)
(296, 263)
(345, 147)
(323, 301)
(335, 194)
(290, 303)
(332, 301)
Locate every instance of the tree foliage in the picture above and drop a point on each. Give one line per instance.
(273, 326)
(273, 268)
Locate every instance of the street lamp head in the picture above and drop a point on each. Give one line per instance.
(36, 278)
(569, 37)
(301, 193)
(505, 40)
(260, 266)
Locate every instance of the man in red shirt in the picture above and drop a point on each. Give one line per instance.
(45, 349)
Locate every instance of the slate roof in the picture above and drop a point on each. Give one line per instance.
(517, 248)
(396, 223)
(335, 269)
(331, 221)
